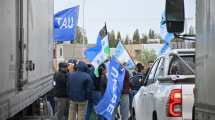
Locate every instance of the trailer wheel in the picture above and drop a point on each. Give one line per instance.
(154, 116)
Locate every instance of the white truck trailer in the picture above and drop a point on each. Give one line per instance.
(205, 60)
(26, 42)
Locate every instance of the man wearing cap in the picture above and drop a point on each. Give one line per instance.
(72, 64)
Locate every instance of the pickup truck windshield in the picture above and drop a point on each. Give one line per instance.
(177, 66)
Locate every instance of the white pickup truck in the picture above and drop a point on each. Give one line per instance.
(167, 93)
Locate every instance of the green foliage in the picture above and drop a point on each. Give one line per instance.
(118, 36)
(112, 39)
(80, 35)
(148, 55)
(126, 40)
(136, 37)
(144, 39)
(152, 34)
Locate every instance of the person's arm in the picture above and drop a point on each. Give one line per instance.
(89, 87)
(54, 79)
(67, 84)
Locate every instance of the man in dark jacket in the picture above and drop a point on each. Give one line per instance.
(96, 94)
(102, 79)
(79, 91)
(60, 91)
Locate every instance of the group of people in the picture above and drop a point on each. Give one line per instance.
(77, 90)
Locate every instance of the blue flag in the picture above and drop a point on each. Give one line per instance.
(65, 24)
(91, 53)
(165, 35)
(113, 91)
(123, 57)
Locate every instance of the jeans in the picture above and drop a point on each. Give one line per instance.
(96, 96)
(89, 110)
(61, 108)
(124, 106)
(52, 102)
(77, 110)
(132, 93)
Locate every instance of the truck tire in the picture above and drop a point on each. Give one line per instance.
(133, 117)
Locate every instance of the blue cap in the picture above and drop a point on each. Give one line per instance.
(72, 61)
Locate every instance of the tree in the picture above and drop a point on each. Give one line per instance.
(79, 36)
(127, 40)
(152, 34)
(136, 37)
(118, 36)
(112, 39)
(148, 55)
(144, 39)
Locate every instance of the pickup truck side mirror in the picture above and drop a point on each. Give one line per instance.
(175, 16)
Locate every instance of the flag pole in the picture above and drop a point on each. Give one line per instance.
(83, 4)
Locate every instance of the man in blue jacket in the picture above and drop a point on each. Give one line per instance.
(79, 91)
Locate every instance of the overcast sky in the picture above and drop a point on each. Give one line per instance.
(121, 15)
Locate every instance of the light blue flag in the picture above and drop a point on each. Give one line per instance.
(165, 48)
(113, 91)
(165, 35)
(123, 57)
(65, 24)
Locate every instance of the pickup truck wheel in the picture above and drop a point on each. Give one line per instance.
(154, 116)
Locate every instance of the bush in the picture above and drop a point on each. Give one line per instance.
(148, 56)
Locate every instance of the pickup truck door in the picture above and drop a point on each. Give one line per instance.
(152, 88)
(149, 90)
(140, 108)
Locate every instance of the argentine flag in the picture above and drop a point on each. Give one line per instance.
(123, 57)
(101, 52)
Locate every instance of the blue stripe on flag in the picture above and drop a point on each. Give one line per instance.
(65, 24)
(91, 53)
